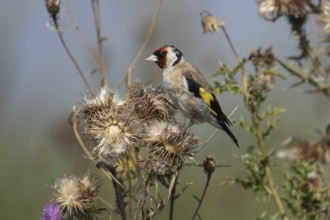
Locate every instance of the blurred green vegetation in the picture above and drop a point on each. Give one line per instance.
(39, 87)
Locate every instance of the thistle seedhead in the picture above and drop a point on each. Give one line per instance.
(210, 23)
(169, 146)
(262, 60)
(258, 86)
(273, 9)
(77, 197)
(325, 17)
(297, 148)
(107, 122)
(261, 83)
(149, 104)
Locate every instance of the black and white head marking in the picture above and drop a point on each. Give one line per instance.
(178, 55)
(166, 56)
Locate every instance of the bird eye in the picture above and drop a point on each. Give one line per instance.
(163, 52)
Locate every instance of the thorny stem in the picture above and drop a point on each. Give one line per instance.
(325, 89)
(172, 200)
(126, 170)
(143, 196)
(128, 175)
(308, 50)
(171, 187)
(128, 75)
(163, 203)
(244, 79)
(82, 76)
(200, 201)
(256, 121)
(120, 203)
(100, 39)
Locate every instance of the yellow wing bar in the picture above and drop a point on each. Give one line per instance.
(207, 97)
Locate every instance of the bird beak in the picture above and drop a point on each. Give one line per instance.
(152, 58)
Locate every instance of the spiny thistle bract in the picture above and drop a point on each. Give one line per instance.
(77, 197)
(169, 146)
(149, 104)
(324, 19)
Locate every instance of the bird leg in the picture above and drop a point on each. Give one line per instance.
(191, 123)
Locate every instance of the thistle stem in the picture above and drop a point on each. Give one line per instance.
(200, 201)
(244, 79)
(67, 50)
(97, 20)
(261, 145)
(172, 200)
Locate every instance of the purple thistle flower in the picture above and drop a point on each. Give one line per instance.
(51, 211)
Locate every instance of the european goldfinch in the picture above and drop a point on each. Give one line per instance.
(189, 90)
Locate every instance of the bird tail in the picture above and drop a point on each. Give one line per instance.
(230, 134)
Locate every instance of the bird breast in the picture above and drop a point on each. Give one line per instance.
(174, 84)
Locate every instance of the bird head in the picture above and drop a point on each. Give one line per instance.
(166, 56)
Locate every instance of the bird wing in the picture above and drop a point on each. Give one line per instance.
(197, 85)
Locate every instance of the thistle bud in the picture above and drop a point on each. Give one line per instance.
(209, 164)
(53, 7)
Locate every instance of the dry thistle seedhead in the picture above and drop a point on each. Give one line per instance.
(77, 197)
(315, 179)
(261, 83)
(296, 148)
(107, 122)
(210, 23)
(150, 105)
(325, 17)
(263, 60)
(209, 164)
(169, 146)
(258, 86)
(303, 150)
(273, 9)
(322, 147)
(53, 7)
